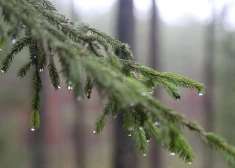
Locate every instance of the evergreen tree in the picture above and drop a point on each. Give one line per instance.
(121, 82)
(125, 155)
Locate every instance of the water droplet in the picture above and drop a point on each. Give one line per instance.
(13, 41)
(131, 128)
(33, 129)
(94, 132)
(189, 162)
(156, 123)
(148, 140)
(144, 154)
(129, 135)
(2, 71)
(0, 49)
(70, 88)
(178, 99)
(172, 154)
(151, 92)
(141, 128)
(200, 94)
(79, 98)
(41, 70)
(144, 93)
(132, 104)
(58, 87)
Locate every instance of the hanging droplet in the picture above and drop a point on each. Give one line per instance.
(70, 88)
(172, 154)
(144, 154)
(13, 41)
(59, 87)
(33, 129)
(131, 128)
(144, 93)
(141, 129)
(2, 71)
(129, 135)
(94, 132)
(41, 70)
(189, 162)
(178, 99)
(148, 140)
(79, 98)
(132, 104)
(200, 94)
(156, 123)
(151, 92)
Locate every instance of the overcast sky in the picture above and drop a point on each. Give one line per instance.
(171, 11)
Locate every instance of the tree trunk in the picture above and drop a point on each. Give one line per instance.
(79, 118)
(124, 148)
(156, 157)
(39, 137)
(209, 81)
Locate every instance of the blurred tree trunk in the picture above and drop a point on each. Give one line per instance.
(79, 118)
(125, 155)
(209, 112)
(39, 136)
(156, 157)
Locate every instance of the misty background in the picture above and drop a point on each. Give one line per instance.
(193, 38)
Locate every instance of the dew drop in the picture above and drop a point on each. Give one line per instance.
(79, 98)
(33, 129)
(190, 163)
(144, 154)
(156, 123)
(148, 140)
(172, 154)
(132, 104)
(2, 71)
(59, 87)
(200, 94)
(141, 129)
(94, 132)
(13, 41)
(151, 92)
(143, 93)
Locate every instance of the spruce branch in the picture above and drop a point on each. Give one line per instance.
(24, 69)
(124, 81)
(54, 76)
(17, 47)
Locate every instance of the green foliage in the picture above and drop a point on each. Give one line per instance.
(86, 52)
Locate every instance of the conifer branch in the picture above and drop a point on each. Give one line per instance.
(17, 47)
(124, 81)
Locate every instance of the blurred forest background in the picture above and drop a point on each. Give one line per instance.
(192, 38)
